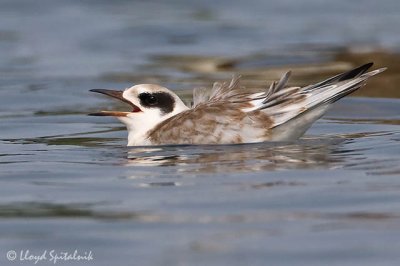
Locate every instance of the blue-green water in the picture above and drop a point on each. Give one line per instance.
(68, 182)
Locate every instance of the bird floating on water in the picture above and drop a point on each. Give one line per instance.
(229, 114)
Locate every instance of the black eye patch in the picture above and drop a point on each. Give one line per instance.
(162, 100)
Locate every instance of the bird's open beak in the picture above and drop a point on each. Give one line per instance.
(117, 95)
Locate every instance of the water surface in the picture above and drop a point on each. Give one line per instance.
(68, 182)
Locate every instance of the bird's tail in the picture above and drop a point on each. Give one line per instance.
(337, 87)
(309, 103)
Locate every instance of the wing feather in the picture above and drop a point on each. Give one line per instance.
(200, 96)
(283, 103)
(230, 114)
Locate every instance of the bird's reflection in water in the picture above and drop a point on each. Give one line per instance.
(306, 153)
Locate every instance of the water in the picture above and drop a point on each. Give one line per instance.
(68, 182)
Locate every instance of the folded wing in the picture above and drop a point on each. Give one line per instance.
(230, 114)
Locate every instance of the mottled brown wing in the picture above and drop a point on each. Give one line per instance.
(230, 114)
(212, 123)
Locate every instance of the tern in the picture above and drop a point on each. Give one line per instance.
(228, 114)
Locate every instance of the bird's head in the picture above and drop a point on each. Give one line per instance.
(151, 104)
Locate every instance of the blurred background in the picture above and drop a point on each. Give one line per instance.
(68, 182)
(188, 41)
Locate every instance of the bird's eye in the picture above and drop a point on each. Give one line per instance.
(151, 100)
(148, 99)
